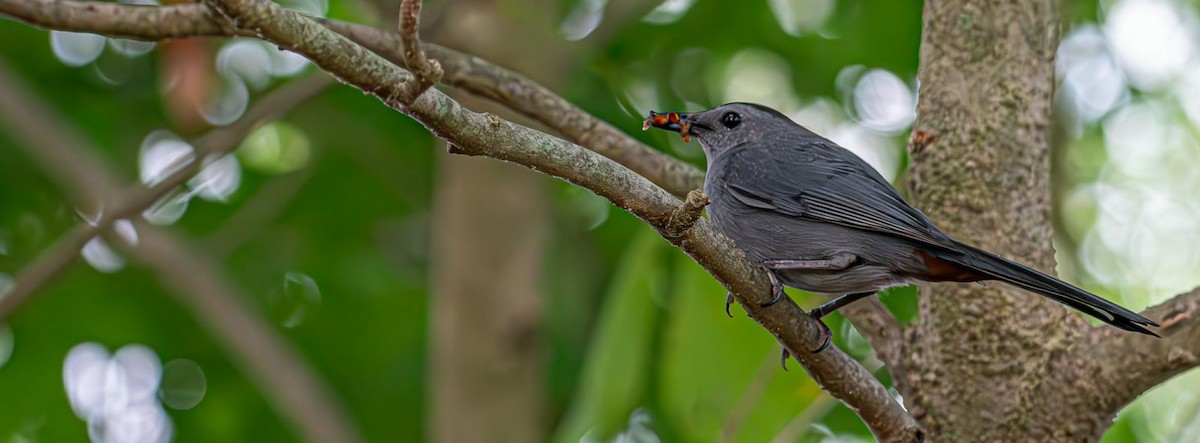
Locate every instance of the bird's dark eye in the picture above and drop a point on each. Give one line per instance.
(731, 120)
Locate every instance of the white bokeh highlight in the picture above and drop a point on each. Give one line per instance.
(116, 395)
(161, 154)
(582, 20)
(882, 102)
(798, 17)
(6, 342)
(1132, 88)
(101, 257)
(76, 48)
(668, 11)
(169, 209)
(1152, 39)
(1092, 82)
(218, 180)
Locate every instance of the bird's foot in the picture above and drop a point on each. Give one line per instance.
(823, 334)
(728, 301)
(776, 288)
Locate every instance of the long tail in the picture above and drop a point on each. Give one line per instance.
(1052, 288)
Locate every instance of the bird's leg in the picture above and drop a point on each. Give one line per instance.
(820, 311)
(836, 263)
(837, 303)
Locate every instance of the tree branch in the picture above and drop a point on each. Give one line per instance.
(269, 360)
(1122, 366)
(136, 22)
(881, 328)
(45, 267)
(480, 134)
(462, 71)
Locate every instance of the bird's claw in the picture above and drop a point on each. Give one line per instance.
(728, 301)
(778, 295)
(823, 334)
(776, 289)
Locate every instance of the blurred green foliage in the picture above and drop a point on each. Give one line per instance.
(634, 331)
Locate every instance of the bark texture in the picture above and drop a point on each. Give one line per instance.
(490, 226)
(485, 367)
(979, 354)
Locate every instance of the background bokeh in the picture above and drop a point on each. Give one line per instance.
(324, 218)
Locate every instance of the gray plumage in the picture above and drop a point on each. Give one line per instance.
(822, 220)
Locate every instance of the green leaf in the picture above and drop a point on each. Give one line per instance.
(618, 362)
(720, 376)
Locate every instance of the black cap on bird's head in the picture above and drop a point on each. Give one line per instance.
(724, 127)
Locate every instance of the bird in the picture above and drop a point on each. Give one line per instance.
(818, 218)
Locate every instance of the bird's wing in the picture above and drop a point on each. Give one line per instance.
(829, 184)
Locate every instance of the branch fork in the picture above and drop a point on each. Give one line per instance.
(426, 72)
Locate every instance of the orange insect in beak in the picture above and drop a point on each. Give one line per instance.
(671, 121)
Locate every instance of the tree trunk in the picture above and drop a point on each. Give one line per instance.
(978, 355)
(490, 223)
(486, 368)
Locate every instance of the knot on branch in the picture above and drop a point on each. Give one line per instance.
(685, 216)
(426, 72)
(1181, 314)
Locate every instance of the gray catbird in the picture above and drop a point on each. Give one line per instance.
(820, 219)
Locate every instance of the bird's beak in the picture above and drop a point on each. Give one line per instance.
(683, 123)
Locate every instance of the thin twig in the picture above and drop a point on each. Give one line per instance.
(34, 123)
(28, 118)
(45, 267)
(137, 199)
(223, 140)
(426, 72)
